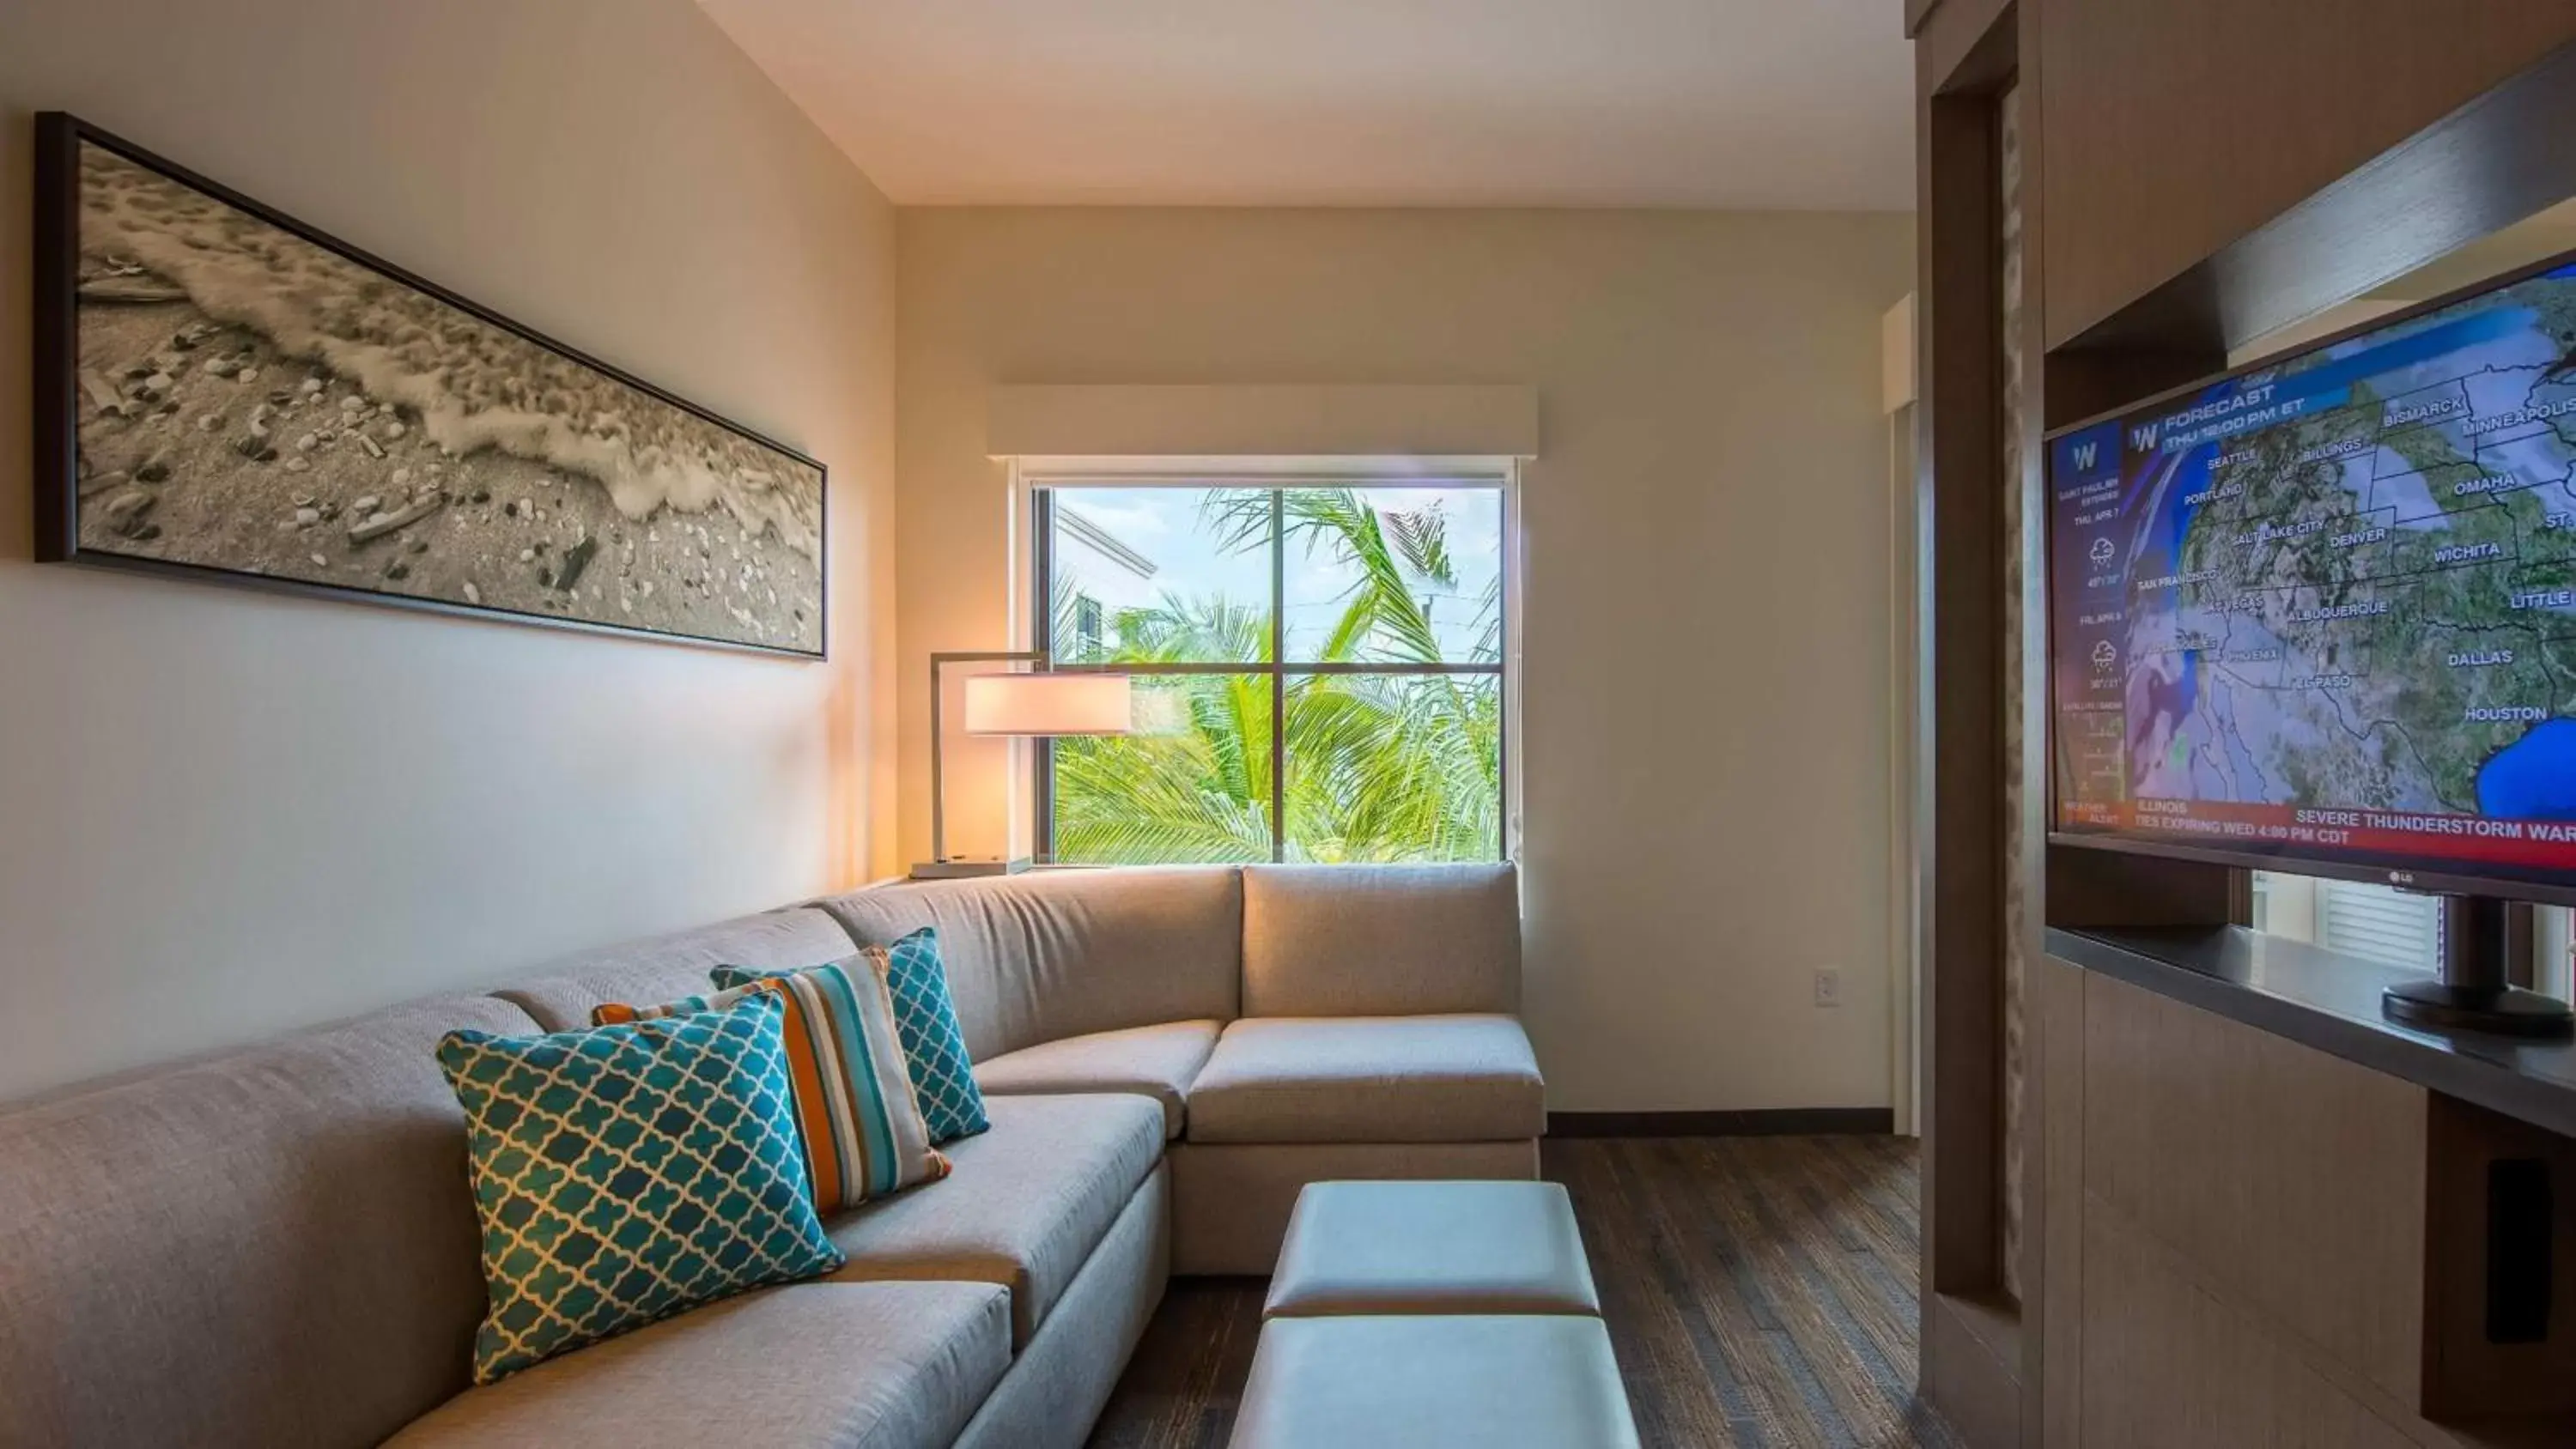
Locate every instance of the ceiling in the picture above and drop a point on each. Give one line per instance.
(1661, 103)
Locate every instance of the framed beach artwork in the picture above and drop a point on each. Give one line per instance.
(224, 392)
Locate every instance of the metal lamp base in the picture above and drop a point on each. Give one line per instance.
(969, 869)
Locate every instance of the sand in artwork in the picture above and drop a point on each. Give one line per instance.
(253, 402)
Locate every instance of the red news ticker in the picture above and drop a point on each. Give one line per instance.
(2222, 824)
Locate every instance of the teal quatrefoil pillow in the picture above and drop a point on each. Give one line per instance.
(626, 1173)
(925, 1021)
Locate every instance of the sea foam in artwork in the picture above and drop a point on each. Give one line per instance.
(275, 405)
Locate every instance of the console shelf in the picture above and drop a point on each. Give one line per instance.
(2329, 1001)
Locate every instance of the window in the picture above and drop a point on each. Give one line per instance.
(2379, 923)
(2400, 928)
(2359, 919)
(1319, 669)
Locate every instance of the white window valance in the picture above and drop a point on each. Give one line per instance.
(1221, 420)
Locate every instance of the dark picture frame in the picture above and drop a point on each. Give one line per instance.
(296, 414)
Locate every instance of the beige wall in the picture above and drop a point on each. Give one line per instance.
(221, 813)
(1707, 679)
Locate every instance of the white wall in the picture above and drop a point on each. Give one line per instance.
(222, 814)
(1707, 699)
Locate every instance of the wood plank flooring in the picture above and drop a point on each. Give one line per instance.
(1759, 1290)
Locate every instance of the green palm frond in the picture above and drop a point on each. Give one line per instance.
(1381, 767)
(1180, 630)
(1422, 538)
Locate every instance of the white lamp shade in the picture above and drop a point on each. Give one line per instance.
(1049, 704)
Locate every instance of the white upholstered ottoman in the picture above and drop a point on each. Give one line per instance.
(1432, 1248)
(1447, 1381)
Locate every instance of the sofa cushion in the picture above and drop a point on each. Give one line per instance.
(1033, 958)
(1060, 1383)
(1369, 1079)
(1153, 1061)
(562, 993)
(629, 1172)
(273, 1247)
(1380, 940)
(844, 1365)
(1023, 1207)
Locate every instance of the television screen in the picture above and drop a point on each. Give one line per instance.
(2324, 609)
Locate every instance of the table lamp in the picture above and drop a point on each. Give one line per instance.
(1041, 703)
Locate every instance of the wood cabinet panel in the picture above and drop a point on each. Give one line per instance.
(2166, 1363)
(2294, 1179)
(2061, 1006)
(2173, 128)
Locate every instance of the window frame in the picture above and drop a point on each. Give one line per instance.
(1036, 483)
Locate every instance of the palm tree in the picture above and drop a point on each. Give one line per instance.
(1380, 766)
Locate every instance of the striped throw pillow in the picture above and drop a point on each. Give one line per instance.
(934, 1045)
(863, 1131)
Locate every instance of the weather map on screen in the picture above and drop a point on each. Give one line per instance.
(2328, 608)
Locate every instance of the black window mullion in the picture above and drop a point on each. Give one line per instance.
(1042, 637)
(1278, 677)
(1506, 539)
(1183, 668)
(1254, 666)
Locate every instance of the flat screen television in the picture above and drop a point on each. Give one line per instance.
(2319, 613)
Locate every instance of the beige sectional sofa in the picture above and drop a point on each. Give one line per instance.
(276, 1246)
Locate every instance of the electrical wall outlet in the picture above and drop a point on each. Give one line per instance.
(1829, 986)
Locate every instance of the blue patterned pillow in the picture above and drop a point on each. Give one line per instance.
(925, 1019)
(626, 1173)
